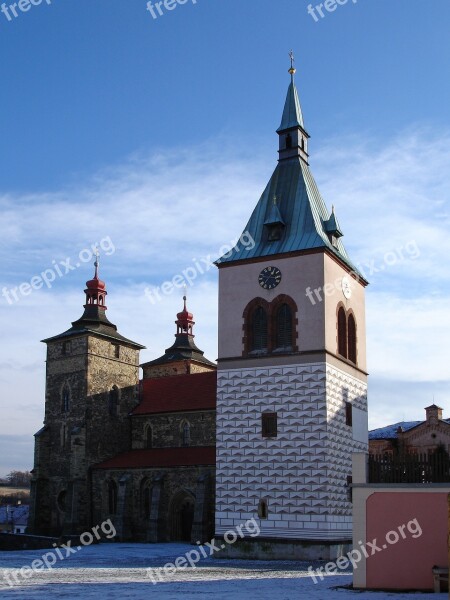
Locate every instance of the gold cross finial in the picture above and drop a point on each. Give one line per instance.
(292, 70)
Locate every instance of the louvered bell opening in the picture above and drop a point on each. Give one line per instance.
(284, 328)
(352, 339)
(259, 330)
(342, 333)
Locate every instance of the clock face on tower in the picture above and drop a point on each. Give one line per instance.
(346, 288)
(269, 278)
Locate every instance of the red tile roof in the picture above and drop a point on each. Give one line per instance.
(161, 457)
(178, 393)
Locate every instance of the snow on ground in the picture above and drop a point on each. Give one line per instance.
(119, 571)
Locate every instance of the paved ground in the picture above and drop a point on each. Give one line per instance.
(122, 571)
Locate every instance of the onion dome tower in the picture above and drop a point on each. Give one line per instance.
(183, 357)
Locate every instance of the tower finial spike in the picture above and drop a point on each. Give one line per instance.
(97, 262)
(292, 70)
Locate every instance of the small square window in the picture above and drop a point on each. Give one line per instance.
(263, 509)
(269, 423)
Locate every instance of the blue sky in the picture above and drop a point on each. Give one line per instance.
(159, 134)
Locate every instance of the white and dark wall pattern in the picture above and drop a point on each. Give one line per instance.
(294, 482)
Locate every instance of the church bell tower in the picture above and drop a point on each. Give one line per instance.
(92, 384)
(292, 379)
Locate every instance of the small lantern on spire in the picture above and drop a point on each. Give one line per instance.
(96, 288)
(185, 320)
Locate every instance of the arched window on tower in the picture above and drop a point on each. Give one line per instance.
(342, 333)
(283, 328)
(185, 434)
(149, 437)
(113, 401)
(352, 345)
(288, 141)
(112, 497)
(259, 330)
(65, 401)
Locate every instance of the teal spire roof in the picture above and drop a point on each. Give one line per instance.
(292, 113)
(300, 209)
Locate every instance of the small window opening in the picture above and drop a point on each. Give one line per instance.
(348, 414)
(263, 509)
(269, 423)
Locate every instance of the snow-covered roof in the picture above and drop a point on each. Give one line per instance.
(390, 431)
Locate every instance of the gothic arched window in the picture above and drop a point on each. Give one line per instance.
(352, 350)
(259, 330)
(65, 404)
(186, 434)
(149, 437)
(283, 324)
(113, 401)
(112, 497)
(342, 332)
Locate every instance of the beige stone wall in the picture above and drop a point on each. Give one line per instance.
(183, 367)
(333, 297)
(317, 314)
(168, 370)
(105, 370)
(238, 286)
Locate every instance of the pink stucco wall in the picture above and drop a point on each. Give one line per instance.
(407, 563)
